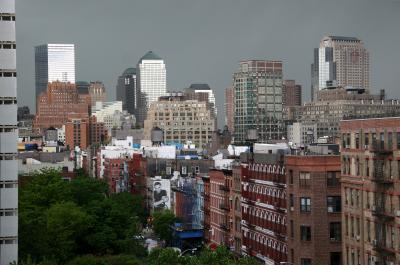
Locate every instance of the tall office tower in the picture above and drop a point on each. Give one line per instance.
(370, 155)
(342, 61)
(229, 108)
(291, 93)
(54, 62)
(258, 100)
(8, 136)
(127, 91)
(151, 82)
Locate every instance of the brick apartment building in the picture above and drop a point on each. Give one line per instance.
(60, 103)
(219, 205)
(84, 132)
(371, 191)
(314, 209)
(291, 93)
(264, 209)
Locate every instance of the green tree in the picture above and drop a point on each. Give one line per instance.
(162, 221)
(66, 223)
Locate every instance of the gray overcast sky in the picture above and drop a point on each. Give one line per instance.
(203, 40)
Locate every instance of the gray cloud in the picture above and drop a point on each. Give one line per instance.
(202, 41)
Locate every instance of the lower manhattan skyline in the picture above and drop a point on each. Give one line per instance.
(204, 42)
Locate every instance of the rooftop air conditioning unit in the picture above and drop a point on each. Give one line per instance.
(292, 208)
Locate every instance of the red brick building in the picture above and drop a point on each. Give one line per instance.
(219, 205)
(314, 209)
(264, 210)
(137, 179)
(206, 209)
(113, 172)
(84, 132)
(371, 190)
(60, 103)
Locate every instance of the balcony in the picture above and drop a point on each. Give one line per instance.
(382, 214)
(224, 226)
(379, 148)
(224, 207)
(380, 247)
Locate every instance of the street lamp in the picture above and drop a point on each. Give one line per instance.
(191, 249)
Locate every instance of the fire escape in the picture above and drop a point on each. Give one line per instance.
(383, 182)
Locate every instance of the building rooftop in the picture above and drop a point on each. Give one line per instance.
(150, 55)
(129, 71)
(342, 38)
(200, 86)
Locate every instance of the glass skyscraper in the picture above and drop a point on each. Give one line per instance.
(151, 82)
(54, 62)
(8, 136)
(258, 100)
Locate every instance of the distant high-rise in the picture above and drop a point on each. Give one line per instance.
(54, 62)
(8, 136)
(151, 82)
(97, 92)
(258, 100)
(340, 61)
(229, 108)
(127, 91)
(291, 93)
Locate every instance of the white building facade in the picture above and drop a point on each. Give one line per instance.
(300, 134)
(151, 81)
(54, 62)
(105, 112)
(8, 136)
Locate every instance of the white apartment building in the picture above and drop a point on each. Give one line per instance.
(301, 134)
(8, 136)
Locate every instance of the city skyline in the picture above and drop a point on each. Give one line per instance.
(199, 50)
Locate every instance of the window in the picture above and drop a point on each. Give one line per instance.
(305, 233)
(335, 231)
(291, 200)
(304, 179)
(390, 141)
(334, 204)
(291, 229)
(290, 176)
(305, 204)
(366, 140)
(332, 179)
(305, 261)
(357, 139)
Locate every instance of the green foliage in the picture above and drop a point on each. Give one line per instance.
(222, 256)
(61, 220)
(162, 221)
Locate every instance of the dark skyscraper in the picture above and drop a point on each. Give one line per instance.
(127, 92)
